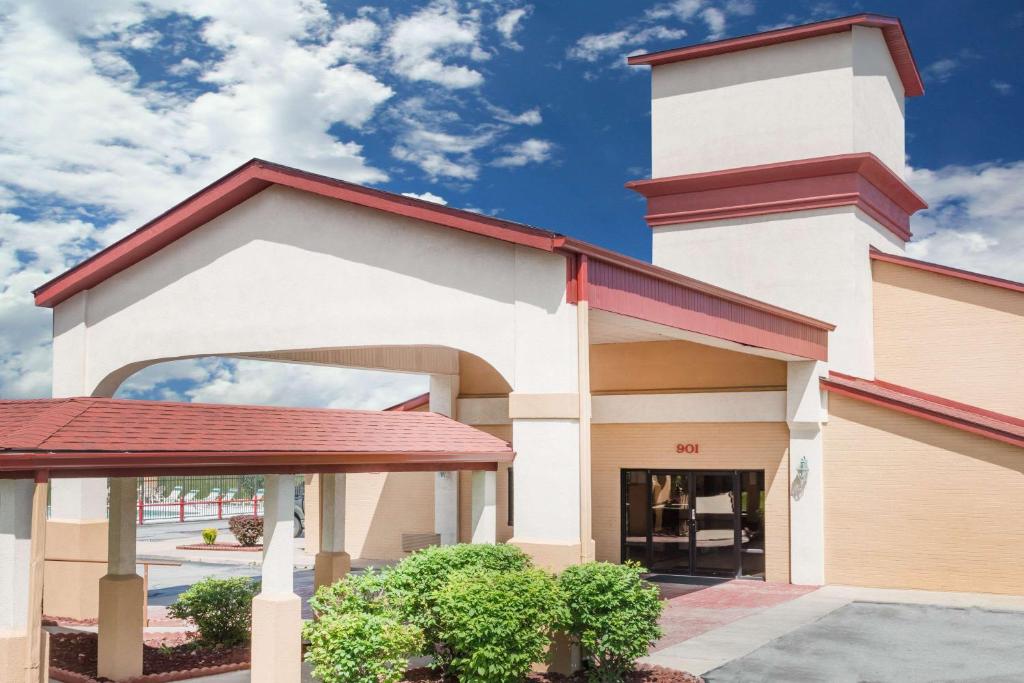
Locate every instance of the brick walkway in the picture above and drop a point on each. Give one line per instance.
(691, 610)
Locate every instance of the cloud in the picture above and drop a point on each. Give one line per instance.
(941, 70)
(1002, 87)
(530, 117)
(975, 218)
(594, 46)
(422, 41)
(531, 151)
(508, 25)
(426, 196)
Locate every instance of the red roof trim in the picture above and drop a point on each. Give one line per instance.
(859, 179)
(892, 31)
(246, 181)
(412, 403)
(948, 271)
(936, 409)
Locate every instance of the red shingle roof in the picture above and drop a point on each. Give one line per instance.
(929, 407)
(88, 432)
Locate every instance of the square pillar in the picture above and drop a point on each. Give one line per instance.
(15, 547)
(277, 610)
(485, 507)
(121, 589)
(444, 391)
(332, 562)
(804, 415)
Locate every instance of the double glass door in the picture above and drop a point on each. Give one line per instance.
(694, 521)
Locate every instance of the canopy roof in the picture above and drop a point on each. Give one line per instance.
(79, 437)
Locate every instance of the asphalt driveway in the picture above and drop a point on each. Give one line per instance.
(881, 642)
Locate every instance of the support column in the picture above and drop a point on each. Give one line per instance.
(277, 610)
(332, 562)
(15, 548)
(804, 415)
(444, 391)
(485, 507)
(312, 513)
(121, 589)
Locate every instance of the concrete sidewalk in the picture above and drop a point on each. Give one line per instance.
(718, 646)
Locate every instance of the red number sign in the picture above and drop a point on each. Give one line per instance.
(688, 448)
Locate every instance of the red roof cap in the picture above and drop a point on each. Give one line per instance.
(891, 27)
(944, 411)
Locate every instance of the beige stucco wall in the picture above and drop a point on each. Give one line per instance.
(381, 506)
(749, 446)
(679, 365)
(950, 337)
(913, 504)
(478, 378)
(504, 531)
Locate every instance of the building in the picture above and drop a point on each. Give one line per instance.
(781, 395)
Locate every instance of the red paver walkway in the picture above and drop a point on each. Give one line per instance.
(692, 610)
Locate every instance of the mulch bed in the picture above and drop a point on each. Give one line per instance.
(222, 546)
(644, 674)
(165, 657)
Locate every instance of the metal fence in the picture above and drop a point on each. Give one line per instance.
(181, 499)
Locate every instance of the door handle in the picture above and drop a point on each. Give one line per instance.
(693, 514)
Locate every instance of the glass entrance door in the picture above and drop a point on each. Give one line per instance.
(694, 522)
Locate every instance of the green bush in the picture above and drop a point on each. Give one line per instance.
(613, 614)
(247, 529)
(221, 609)
(356, 647)
(209, 536)
(497, 624)
(414, 583)
(357, 593)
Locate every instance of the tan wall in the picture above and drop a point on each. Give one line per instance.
(478, 378)
(913, 504)
(679, 365)
(504, 531)
(950, 337)
(380, 507)
(748, 446)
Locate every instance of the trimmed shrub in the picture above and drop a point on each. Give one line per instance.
(209, 536)
(413, 584)
(356, 647)
(612, 613)
(497, 624)
(221, 609)
(247, 529)
(357, 593)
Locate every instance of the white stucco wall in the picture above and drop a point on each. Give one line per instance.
(15, 545)
(289, 270)
(833, 94)
(812, 262)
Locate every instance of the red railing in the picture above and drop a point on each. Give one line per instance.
(183, 510)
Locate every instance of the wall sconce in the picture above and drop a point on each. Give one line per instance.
(800, 480)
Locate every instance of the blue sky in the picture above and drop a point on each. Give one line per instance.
(522, 110)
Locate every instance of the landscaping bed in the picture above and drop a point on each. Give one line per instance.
(165, 657)
(238, 547)
(653, 674)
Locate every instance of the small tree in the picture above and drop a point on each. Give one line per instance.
(221, 609)
(613, 614)
(497, 624)
(247, 529)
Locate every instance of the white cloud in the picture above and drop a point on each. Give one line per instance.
(715, 20)
(1002, 87)
(941, 70)
(508, 25)
(280, 384)
(438, 141)
(592, 47)
(530, 117)
(531, 151)
(975, 218)
(421, 42)
(426, 196)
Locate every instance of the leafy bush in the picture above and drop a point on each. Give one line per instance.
(413, 584)
(209, 536)
(613, 614)
(248, 529)
(496, 624)
(220, 608)
(357, 647)
(356, 593)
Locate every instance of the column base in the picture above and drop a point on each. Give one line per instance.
(72, 587)
(120, 627)
(553, 556)
(564, 656)
(330, 567)
(13, 655)
(276, 639)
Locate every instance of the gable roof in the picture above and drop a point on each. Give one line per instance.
(103, 434)
(412, 403)
(892, 31)
(948, 271)
(944, 411)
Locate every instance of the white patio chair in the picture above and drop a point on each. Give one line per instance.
(212, 496)
(191, 495)
(174, 495)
